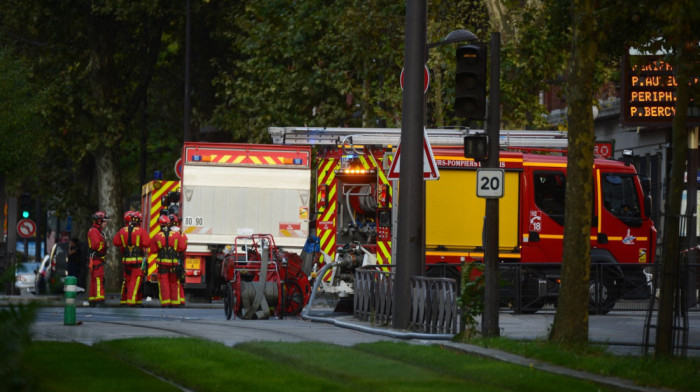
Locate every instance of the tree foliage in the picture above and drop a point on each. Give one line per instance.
(313, 62)
(21, 134)
(96, 61)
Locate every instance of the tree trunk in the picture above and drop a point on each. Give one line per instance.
(668, 278)
(108, 197)
(571, 320)
(4, 260)
(499, 16)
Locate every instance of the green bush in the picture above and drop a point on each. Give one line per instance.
(15, 336)
(471, 300)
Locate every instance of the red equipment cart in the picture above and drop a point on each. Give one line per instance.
(284, 290)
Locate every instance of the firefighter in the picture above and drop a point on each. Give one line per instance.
(166, 247)
(182, 246)
(98, 249)
(133, 242)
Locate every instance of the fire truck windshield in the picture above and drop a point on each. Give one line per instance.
(549, 193)
(620, 196)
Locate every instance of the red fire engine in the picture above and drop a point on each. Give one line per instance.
(354, 206)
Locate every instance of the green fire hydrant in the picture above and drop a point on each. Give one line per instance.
(70, 284)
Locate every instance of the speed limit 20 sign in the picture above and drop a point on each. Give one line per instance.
(489, 183)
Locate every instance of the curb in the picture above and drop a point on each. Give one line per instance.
(445, 340)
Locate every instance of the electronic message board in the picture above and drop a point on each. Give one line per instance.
(649, 92)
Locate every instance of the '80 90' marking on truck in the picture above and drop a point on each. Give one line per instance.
(196, 221)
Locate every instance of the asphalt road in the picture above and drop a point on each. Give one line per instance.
(623, 331)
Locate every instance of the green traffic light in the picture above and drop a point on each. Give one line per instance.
(25, 214)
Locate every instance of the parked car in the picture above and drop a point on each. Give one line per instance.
(25, 276)
(53, 270)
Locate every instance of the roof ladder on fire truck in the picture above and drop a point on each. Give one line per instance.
(358, 136)
(510, 139)
(514, 139)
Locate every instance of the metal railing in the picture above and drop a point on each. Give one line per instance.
(373, 296)
(524, 288)
(434, 306)
(529, 287)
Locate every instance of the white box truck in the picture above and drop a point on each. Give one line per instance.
(231, 190)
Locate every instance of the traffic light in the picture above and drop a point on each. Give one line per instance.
(470, 90)
(476, 147)
(26, 205)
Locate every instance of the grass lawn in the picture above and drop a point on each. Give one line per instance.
(676, 373)
(201, 365)
(58, 366)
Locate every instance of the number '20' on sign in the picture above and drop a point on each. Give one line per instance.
(489, 183)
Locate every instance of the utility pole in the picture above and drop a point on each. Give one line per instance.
(187, 136)
(489, 323)
(691, 214)
(410, 236)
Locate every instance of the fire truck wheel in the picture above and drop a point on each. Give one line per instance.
(229, 302)
(601, 297)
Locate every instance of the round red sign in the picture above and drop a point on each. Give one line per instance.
(26, 228)
(426, 78)
(178, 168)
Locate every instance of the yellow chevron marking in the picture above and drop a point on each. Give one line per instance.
(384, 252)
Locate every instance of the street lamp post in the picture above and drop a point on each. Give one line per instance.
(187, 134)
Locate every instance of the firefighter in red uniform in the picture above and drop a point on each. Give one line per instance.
(166, 246)
(180, 269)
(133, 243)
(98, 249)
